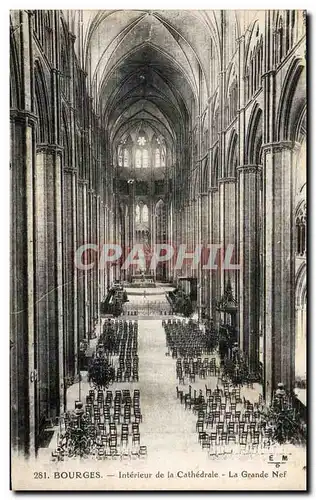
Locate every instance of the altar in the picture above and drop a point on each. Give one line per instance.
(143, 281)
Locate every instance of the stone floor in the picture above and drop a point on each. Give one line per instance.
(168, 430)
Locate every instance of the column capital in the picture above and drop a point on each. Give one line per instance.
(280, 146)
(69, 170)
(226, 180)
(23, 116)
(49, 148)
(84, 182)
(250, 169)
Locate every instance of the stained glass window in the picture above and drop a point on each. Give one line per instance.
(141, 141)
(145, 158)
(137, 214)
(145, 214)
(138, 158)
(157, 158)
(163, 158)
(120, 157)
(126, 158)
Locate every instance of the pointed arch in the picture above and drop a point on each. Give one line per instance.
(205, 177)
(292, 99)
(232, 157)
(15, 79)
(65, 136)
(215, 168)
(300, 228)
(42, 104)
(254, 136)
(301, 286)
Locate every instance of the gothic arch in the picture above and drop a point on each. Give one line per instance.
(66, 138)
(215, 167)
(15, 79)
(64, 59)
(300, 132)
(254, 137)
(292, 100)
(301, 229)
(196, 184)
(231, 75)
(232, 158)
(301, 286)
(205, 176)
(159, 206)
(42, 104)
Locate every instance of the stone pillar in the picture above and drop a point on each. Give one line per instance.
(279, 265)
(249, 185)
(108, 240)
(59, 279)
(221, 239)
(92, 275)
(205, 274)
(23, 360)
(70, 272)
(300, 341)
(213, 239)
(48, 302)
(153, 229)
(101, 243)
(83, 325)
(23, 367)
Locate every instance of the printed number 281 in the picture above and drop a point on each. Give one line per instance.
(40, 475)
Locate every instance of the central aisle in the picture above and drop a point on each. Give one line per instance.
(167, 429)
(174, 455)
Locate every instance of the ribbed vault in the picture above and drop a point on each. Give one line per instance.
(148, 68)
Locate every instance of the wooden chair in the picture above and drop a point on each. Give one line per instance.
(136, 438)
(143, 451)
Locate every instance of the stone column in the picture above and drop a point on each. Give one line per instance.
(83, 325)
(59, 278)
(92, 275)
(227, 235)
(279, 265)
(108, 240)
(101, 243)
(205, 214)
(23, 367)
(221, 239)
(153, 229)
(249, 185)
(48, 302)
(70, 272)
(23, 360)
(213, 239)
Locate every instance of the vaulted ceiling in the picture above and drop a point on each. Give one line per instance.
(147, 67)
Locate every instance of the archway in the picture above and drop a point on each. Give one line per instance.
(300, 327)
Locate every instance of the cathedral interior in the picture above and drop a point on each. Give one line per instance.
(155, 127)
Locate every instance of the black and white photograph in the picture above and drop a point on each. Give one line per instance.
(158, 250)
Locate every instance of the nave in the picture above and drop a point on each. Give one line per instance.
(176, 129)
(169, 429)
